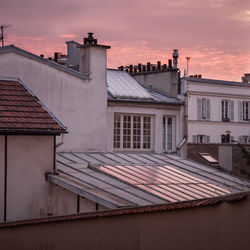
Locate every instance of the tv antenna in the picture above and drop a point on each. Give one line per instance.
(188, 59)
(2, 36)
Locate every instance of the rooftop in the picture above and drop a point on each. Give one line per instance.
(123, 87)
(117, 180)
(213, 81)
(22, 112)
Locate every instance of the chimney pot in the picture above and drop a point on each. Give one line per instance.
(130, 68)
(148, 66)
(159, 65)
(139, 67)
(170, 63)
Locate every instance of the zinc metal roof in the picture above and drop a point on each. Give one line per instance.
(135, 179)
(218, 82)
(123, 87)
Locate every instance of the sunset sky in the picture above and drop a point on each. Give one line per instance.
(214, 33)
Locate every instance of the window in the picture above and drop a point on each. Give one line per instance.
(208, 158)
(244, 139)
(201, 138)
(243, 111)
(226, 138)
(168, 133)
(203, 108)
(132, 132)
(227, 108)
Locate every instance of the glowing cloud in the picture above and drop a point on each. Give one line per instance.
(71, 36)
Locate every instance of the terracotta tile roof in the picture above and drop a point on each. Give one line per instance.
(21, 111)
(132, 210)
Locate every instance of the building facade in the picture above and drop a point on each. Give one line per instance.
(217, 111)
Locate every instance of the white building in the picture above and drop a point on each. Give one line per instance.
(217, 111)
(94, 101)
(117, 128)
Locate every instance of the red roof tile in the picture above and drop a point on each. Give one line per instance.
(21, 110)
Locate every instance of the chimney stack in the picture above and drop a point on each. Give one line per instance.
(175, 58)
(93, 57)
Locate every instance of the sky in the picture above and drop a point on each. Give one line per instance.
(215, 34)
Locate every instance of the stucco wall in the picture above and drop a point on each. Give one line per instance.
(79, 104)
(2, 172)
(215, 127)
(223, 226)
(28, 194)
(165, 82)
(28, 158)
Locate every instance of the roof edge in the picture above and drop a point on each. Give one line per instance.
(12, 48)
(131, 210)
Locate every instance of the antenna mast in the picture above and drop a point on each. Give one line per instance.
(188, 59)
(2, 36)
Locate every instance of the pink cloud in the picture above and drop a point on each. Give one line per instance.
(69, 36)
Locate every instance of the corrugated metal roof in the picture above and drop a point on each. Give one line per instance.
(123, 87)
(131, 179)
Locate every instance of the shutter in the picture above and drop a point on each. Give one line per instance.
(232, 110)
(240, 110)
(240, 139)
(208, 109)
(199, 109)
(194, 139)
(207, 138)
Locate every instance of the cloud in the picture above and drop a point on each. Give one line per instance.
(71, 36)
(136, 30)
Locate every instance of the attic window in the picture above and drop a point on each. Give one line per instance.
(208, 158)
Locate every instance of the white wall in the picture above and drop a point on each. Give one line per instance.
(215, 127)
(79, 104)
(156, 113)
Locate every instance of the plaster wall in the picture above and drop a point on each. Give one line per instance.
(165, 82)
(80, 104)
(215, 127)
(29, 195)
(2, 173)
(157, 128)
(222, 226)
(27, 161)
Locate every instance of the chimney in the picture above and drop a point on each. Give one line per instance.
(56, 56)
(175, 58)
(148, 66)
(159, 65)
(93, 58)
(73, 52)
(170, 63)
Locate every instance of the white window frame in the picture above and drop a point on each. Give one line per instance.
(136, 142)
(169, 134)
(203, 109)
(244, 110)
(201, 139)
(227, 110)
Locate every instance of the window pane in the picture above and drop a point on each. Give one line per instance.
(136, 131)
(170, 134)
(146, 132)
(117, 131)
